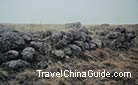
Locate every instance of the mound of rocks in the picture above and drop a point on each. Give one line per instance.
(10, 40)
(37, 50)
(73, 25)
(17, 64)
(20, 50)
(119, 39)
(71, 43)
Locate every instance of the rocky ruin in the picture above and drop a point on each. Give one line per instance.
(20, 50)
(120, 39)
(23, 50)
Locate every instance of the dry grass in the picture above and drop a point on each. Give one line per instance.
(58, 27)
(35, 27)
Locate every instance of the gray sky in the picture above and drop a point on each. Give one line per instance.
(64, 11)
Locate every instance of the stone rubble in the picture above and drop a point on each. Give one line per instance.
(119, 39)
(19, 50)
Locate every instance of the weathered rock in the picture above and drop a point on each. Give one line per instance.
(105, 25)
(17, 64)
(1, 58)
(28, 53)
(88, 39)
(92, 46)
(75, 49)
(73, 25)
(75, 34)
(27, 38)
(11, 54)
(119, 39)
(103, 33)
(42, 64)
(10, 40)
(69, 36)
(67, 51)
(67, 58)
(84, 45)
(56, 36)
(98, 42)
(120, 29)
(84, 29)
(62, 43)
(42, 47)
(81, 36)
(5, 29)
(39, 57)
(113, 35)
(58, 54)
(131, 35)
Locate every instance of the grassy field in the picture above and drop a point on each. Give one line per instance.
(60, 27)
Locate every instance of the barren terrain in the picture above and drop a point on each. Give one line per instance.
(54, 55)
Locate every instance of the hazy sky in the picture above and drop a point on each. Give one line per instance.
(64, 11)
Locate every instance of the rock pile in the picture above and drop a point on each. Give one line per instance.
(20, 50)
(73, 25)
(34, 50)
(119, 39)
(73, 42)
(10, 40)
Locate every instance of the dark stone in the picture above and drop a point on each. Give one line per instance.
(11, 54)
(42, 47)
(58, 54)
(113, 35)
(27, 38)
(81, 36)
(105, 25)
(84, 45)
(85, 30)
(92, 46)
(73, 25)
(39, 57)
(75, 49)
(62, 43)
(88, 39)
(131, 35)
(10, 40)
(67, 51)
(28, 53)
(103, 33)
(1, 58)
(120, 29)
(42, 64)
(69, 36)
(67, 58)
(119, 39)
(76, 35)
(98, 42)
(17, 64)
(56, 36)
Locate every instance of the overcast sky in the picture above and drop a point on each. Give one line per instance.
(64, 11)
